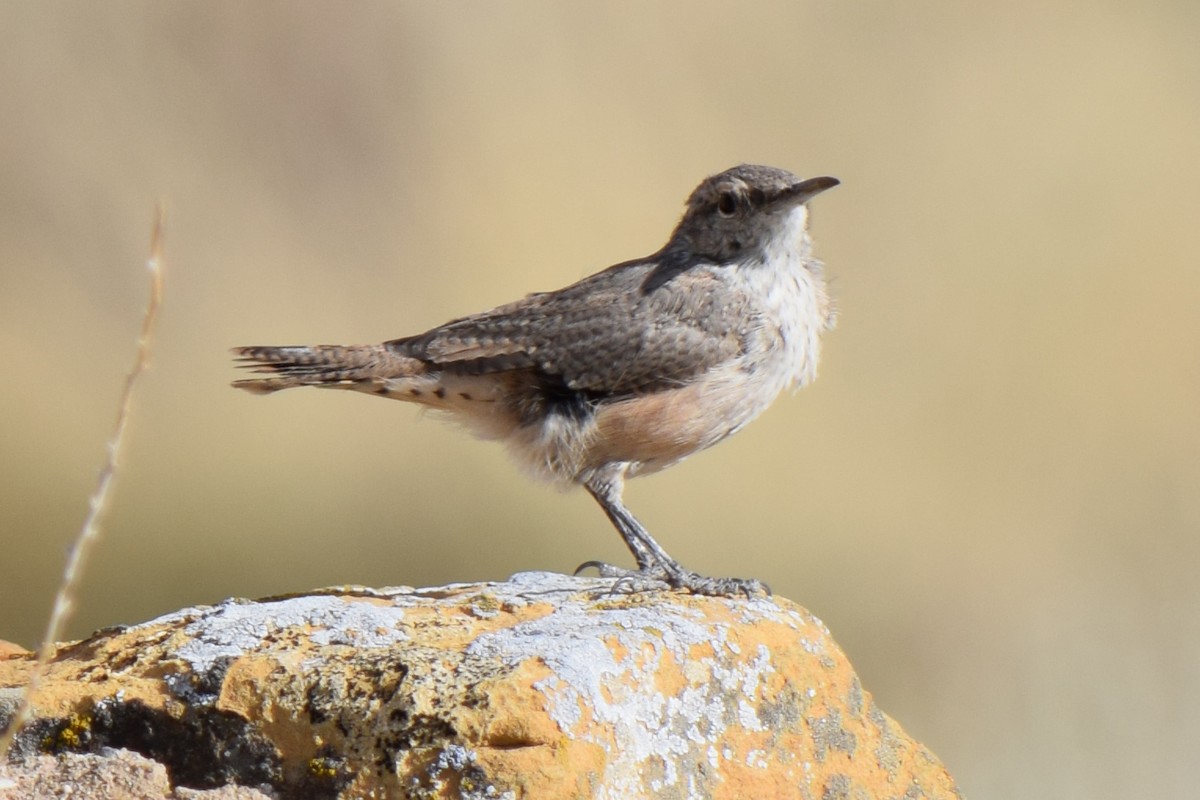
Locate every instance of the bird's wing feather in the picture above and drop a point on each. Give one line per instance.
(625, 330)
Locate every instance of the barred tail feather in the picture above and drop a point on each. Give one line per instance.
(320, 365)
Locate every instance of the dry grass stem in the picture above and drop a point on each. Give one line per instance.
(89, 534)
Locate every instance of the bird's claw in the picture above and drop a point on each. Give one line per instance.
(658, 578)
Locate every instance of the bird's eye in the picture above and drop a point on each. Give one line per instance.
(727, 204)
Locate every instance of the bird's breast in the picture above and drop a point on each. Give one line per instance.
(652, 430)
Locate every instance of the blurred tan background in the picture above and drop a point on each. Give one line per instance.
(990, 495)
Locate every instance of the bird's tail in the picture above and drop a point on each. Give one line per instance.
(340, 366)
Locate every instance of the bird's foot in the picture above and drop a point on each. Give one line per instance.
(658, 578)
(721, 587)
(629, 581)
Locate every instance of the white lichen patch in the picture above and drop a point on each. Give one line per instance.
(609, 694)
(233, 629)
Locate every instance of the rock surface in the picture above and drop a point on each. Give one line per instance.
(112, 775)
(543, 686)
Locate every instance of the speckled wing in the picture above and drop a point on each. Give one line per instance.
(634, 328)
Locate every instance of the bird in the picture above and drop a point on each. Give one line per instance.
(625, 372)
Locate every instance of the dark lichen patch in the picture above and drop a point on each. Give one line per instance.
(316, 704)
(854, 697)
(877, 717)
(331, 697)
(406, 731)
(828, 733)
(377, 686)
(37, 736)
(891, 745)
(837, 787)
(785, 712)
(199, 688)
(840, 786)
(203, 749)
(917, 792)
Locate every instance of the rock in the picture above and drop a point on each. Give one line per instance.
(11, 649)
(542, 686)
(111, 775)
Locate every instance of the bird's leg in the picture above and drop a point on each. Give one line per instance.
(650, 556)
(655, 566)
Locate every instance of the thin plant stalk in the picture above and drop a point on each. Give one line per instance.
(89, 534)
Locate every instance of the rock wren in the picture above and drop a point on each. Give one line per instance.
(628, 371)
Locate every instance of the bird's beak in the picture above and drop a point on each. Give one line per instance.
(802, 192)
